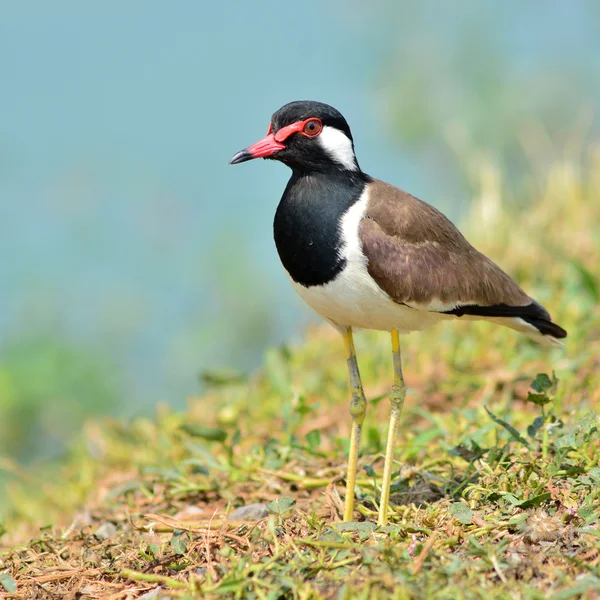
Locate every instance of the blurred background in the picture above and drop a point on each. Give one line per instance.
(133, 258)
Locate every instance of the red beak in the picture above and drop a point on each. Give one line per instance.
(261, 149)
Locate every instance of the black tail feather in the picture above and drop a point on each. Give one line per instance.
(546, 327)
(533, 314)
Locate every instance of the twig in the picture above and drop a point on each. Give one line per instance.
(423, 555)
(153, 578)
(65, 575)
(321, 544)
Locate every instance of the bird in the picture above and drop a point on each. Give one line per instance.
(365, 254)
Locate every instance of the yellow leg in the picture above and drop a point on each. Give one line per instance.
(397, 400)
(358, 408)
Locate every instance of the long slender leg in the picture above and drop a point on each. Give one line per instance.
(358, 408)
(397, 400)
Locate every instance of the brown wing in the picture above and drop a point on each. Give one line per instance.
(417, 256)
(420, 259)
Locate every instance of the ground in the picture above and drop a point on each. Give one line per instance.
(496, 495)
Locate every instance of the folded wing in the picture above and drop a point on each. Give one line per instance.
(421, 260)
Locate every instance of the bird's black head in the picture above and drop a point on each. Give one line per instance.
(306, 136)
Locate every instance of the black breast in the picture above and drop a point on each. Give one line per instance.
(307, 224)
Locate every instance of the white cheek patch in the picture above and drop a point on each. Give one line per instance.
(338, 146)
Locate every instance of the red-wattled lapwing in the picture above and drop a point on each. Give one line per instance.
(363, 253)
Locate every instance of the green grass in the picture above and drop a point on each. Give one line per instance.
(497, 492)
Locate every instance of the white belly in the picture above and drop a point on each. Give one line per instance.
(353, 298)
(350, 300)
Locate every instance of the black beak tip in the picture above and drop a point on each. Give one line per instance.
(240, 157)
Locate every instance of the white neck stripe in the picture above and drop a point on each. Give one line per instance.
(338, 146)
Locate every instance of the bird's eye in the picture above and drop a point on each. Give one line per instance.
(312, 127)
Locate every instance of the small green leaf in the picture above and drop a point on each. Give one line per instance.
(588, 426)
(543, 388)
(303, 408)
(566, 441)
(281, 506)
(542, 383)
(537, 424)
(179, 541)
(462, 512)
(513, 432)
(313, 439)
(331, 535)
(511, 498)
(535, 501)
(369, 471)
(588, 512)
(363, 528)
(539, 399)
(594, 473)
(207, 433)
(8, 583)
